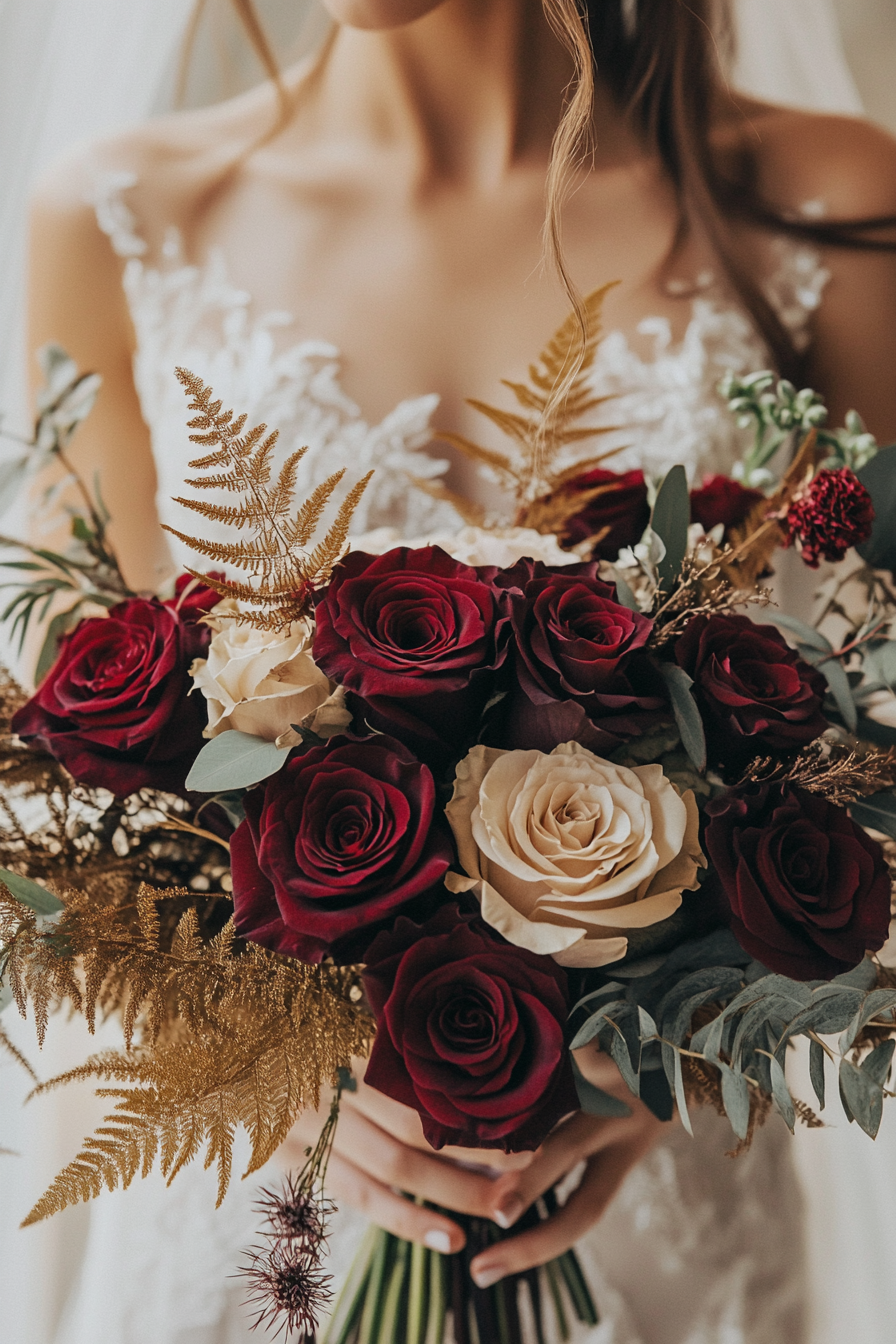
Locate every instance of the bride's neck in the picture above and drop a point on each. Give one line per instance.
(468, 91)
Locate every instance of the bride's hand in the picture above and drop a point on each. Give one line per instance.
(380, 1148)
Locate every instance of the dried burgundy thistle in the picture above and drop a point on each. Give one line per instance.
(832, 514)
(289, 1286)
(294, 1214)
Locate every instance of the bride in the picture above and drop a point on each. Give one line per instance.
(351, 251)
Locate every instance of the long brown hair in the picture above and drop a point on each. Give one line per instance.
(662, 63)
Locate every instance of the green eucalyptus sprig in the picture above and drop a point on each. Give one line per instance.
(89, 568)
(779, 414)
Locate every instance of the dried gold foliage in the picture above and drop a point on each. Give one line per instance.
(837, 772)
(281, 569)
(703, 591)
(553, 401)
(761, 533)
(11, 1049)
(218, 1035)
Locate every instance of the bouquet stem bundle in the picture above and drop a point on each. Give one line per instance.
(399, 1290)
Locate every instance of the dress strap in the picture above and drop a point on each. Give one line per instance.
(113, 214)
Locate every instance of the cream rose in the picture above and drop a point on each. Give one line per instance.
(567, 851)
(262, 682)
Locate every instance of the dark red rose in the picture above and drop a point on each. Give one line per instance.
(809, 891)
(192, 598)
(620, 511)
(332, 845)
(833, 514)
(721, 500)
(470, 1033)
(415, 635)
(577, 647)
(115, 707)
(754, 692)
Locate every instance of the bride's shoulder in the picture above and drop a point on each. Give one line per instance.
(846, 163)
(166, 166)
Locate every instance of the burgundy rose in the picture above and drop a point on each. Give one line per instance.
(415, 635)
(192, 598)
(833, 514)
(333, 844)
(620, 512)
(721, 500)
(115, 708)
(809, 891)
(754, 692)
(580, 655)
(470, 1033)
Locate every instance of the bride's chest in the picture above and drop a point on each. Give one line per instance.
(448, 294)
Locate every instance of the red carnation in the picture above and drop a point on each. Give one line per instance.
(832, 515)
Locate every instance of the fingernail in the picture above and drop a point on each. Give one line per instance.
(437, 1240)
(484, 1278)
(508, 1212)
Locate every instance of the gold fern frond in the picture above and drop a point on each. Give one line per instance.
(282, 571)
(219, 1037)
(15, 1053)
(553, 402)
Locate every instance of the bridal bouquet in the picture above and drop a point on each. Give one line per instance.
(467, 806)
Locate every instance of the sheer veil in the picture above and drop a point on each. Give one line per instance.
(71, 70)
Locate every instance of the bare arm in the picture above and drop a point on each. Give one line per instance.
(75, 298)
(848, 166)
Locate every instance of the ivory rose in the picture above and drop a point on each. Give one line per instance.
(566, 851)
(261, 682)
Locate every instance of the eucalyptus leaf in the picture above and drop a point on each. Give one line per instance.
(878, 1001)
(805, 633)
(863, 1096)
(594, 1101)
(736, 1100)
(816, 1071)
(670, 520)
(587, 1032)
(834, 674)
(781, 1094)
(880, 663)
(625, 596)
(234, 760)
(621, 1056)
(32, 894)
(879, 478)
(681, 1100)
(877, 1065)
(687, 715)
(877, 810)
(863, 976)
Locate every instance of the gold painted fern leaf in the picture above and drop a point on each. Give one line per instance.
(281, 569)
(219, 1036)
(553, 402)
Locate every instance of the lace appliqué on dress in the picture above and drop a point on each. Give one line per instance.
(667, 403)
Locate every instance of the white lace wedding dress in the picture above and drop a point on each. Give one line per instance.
(696, 1248)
